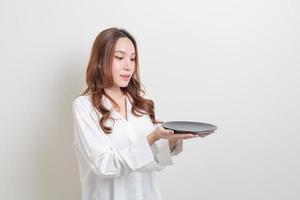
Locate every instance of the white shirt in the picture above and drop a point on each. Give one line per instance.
(121, 165)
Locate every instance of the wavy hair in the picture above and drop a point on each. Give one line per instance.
(99, 76)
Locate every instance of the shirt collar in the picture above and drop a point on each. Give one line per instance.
(108, 104)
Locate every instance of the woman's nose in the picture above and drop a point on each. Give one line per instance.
(127, 65)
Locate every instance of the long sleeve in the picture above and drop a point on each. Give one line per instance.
(101, 156)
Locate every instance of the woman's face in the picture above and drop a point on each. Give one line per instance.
(123, 64)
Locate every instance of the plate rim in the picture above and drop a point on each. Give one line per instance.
(184, 121)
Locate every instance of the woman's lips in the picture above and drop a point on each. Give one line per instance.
(125, 77)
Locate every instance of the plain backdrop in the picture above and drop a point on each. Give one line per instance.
(231, 63)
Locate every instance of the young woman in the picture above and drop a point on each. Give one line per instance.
(119, 144)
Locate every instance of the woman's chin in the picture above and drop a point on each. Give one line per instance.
(123, 85)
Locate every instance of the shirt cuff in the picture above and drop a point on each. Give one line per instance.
(178, 148)
(161, 152)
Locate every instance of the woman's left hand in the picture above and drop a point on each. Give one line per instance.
(196, 135)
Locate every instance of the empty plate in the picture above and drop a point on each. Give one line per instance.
(189, 127)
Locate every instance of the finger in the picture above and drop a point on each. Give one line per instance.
(174, 137)
(186, 136)
(194, 136)
(167, 132)
(189, 137)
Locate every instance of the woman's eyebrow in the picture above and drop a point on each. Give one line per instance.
(118, 51)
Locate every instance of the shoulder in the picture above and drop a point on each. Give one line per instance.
(83, 99)
(82, 104)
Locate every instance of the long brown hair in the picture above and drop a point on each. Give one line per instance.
(99, 76)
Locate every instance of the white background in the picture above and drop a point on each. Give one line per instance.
(231, 63)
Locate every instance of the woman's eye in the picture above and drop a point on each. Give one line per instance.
(119, 58)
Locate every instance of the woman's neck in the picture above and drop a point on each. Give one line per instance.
(114, 92)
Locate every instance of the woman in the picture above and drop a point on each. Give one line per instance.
(119, 144)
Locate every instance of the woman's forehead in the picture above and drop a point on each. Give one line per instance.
(124, 46)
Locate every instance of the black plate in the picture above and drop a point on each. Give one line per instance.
(189, 127)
